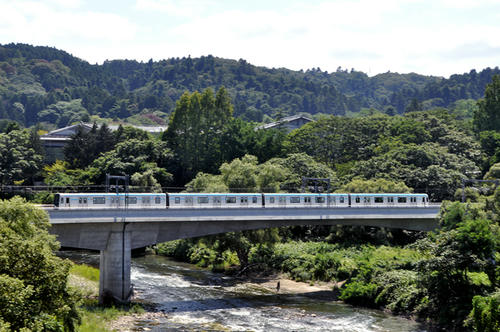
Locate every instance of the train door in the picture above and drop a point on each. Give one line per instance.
(64, 202)
(83, 202)
(146, 201)
(282, 201)
(188, 201)
(390, 201)
(243, 201)
(217, 201)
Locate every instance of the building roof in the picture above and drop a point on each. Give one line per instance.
(71, 130)
(286, 122)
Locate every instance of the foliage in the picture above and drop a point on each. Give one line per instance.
(19, 159)
(374, 186)
(36, 79)
(146, 160)
(485, 314)
(487, 116)
(33, 282)
(194, 131)
(247, 175)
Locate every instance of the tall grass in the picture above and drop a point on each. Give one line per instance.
(85, 271)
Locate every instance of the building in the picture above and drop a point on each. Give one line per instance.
(288, 123)
(54, 141)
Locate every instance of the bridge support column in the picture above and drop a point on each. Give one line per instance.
(114, 267)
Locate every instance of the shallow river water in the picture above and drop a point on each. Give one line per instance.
(195, 299)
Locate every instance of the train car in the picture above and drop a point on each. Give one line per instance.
(110, 200)
(214, 200)
(388, 200)
(276, 200)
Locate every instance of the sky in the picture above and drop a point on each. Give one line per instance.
(430, 37)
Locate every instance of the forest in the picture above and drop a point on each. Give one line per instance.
(361, 139)
(49, 86)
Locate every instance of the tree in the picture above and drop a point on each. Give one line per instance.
(19, 161)
(33, 282)
(148, 158)
(195, 131)
(487, 116)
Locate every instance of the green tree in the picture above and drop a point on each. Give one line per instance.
(195, 131)
(487, 116)
(33, 282)
(19, 161)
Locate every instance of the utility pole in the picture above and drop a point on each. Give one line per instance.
(316, 181)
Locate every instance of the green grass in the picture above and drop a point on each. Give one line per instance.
(95, 317)
(85, 271)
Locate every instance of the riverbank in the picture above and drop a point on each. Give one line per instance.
(326, 291)
(95, 318)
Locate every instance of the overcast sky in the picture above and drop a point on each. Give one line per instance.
(432, 37)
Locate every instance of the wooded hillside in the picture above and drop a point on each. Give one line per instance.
(43, 84)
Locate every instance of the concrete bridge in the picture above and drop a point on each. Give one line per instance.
(115, 232)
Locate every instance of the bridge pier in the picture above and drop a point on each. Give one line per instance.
(114, 268)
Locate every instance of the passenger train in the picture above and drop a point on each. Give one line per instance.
(232, 200)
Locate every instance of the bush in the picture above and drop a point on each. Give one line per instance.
(359, 293)
(485, 314)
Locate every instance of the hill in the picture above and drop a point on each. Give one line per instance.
(44, 84)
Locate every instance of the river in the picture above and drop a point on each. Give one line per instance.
(195, 299)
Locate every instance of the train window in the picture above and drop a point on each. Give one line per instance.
(80, 200)
(413, 199)
(379, 200)
(294, 199)
(67, 200)
(202, 200)
(85, 200)
(146, 200)
(230, 200)
(254, 200)
(99, 200)
(271, 200)
(307, 199)
(358, 199)
(189, 200)
(401, 199)
(157, 200)
(366, 199)
(282, 200)
(177, 200)
(243, 199)
(341, 199)
(320, 199)
(390, 199)
(217, 200)
(132, 200)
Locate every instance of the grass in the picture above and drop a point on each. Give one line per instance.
(85, 271)
(95, 317)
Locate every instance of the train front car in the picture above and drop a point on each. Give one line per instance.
(84, 201)
(388, 200)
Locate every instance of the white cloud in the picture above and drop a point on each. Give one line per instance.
(438, 37)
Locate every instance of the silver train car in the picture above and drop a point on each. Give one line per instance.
(110, 201)
(233, 200)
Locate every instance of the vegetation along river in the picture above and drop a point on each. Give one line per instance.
(195, 299)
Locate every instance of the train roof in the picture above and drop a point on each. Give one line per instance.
(387, 194)
(111, 194)
(214, 194)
